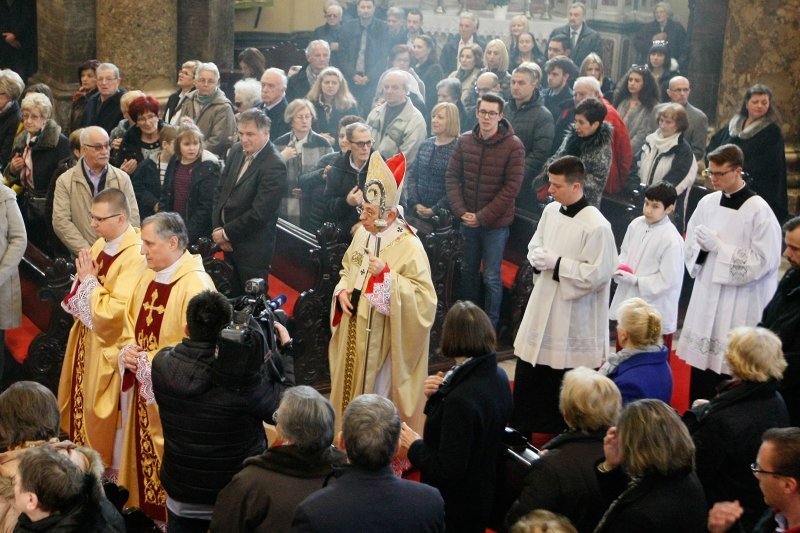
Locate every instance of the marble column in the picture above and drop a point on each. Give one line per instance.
(66, 38)
(205, 28)
(762, 45)
(141, 38)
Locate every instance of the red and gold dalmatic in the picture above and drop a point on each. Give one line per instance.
(156, 319)
(88, 392)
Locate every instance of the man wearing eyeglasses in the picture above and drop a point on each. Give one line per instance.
(483, 180)
(776, 469)
(75, 188)
(106, 274)
(346, 179)
(330, 31)
(103, 109)
(733, 250)
(697, 132)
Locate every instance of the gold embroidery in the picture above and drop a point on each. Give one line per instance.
(150, 489)
(77, 429)
(350, 359)
(151, 306)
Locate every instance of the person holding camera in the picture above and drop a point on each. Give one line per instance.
(203, 451)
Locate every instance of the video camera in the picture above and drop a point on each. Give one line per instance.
(248, 349)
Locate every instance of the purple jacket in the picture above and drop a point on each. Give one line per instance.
(645, 375)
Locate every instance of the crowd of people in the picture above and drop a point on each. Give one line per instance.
(166, 386)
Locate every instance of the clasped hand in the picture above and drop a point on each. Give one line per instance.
(544, 259)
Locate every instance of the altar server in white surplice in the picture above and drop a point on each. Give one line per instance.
(566, 322)
(651, 259)
(733, 250)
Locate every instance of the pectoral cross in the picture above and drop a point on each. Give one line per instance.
(151, 306)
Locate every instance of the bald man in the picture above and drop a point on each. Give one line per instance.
(697, 133)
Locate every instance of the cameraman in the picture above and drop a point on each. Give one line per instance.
(209, 427)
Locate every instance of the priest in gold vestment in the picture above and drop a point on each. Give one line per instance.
(88, 393)
(155, 319)
(380, 345)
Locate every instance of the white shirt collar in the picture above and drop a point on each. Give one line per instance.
(112, 247)
(163, 276)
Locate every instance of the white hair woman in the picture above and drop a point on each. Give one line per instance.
(38, 150)
(211, 110)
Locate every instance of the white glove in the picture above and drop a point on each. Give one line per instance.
(625, 277)
(544, 259)
(707, 238)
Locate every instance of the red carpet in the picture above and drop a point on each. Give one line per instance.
(681, 375)
(277, 287)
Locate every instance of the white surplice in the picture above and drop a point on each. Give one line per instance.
(566, 322)
(732, 285)
(655, 254)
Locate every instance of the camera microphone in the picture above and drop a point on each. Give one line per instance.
(277, 302)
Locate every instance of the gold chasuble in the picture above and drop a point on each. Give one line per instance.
(88, 393)
(400, 330)
(155, 319)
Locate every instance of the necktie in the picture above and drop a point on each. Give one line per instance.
(574, 38)
(245, 166)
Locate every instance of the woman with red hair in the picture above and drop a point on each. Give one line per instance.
(141, 140)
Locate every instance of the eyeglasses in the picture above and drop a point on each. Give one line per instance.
(639, 68)
(361, 209)
(487, 113)
(147, 118)
(98, 146)
(100, 219)
(185, 73)
(708, 174)
(303, 117)
(206, 81)
(28, 116)
(756, 470)
(105, 80)
(331, 15)
(362, 144)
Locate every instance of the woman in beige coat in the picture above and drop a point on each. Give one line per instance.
(13, 241)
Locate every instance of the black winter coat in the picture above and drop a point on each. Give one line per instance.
(653, 504)
(727, 434)
(330, 123)
(464, 428)
(104, 114)
(533, 124)
(9, 123)
(563, 481)
(342, 177)
(47, 153)
(313, 184)
(209, 430)
(782, 316)
(205, 176)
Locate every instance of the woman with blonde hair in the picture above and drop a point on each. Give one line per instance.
(727, 430)
(425, 179)
(495, 59)
(563, 480)
(647, 476)
(332, 101)
(593, 66)
(641, 368)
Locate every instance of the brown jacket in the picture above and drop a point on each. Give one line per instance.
(485, 175)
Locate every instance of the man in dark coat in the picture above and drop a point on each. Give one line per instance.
(365, 50)
(782, 315)
(18, 43)
(483, 180)
(367, 495)
(203, 451)
(533, 124)
(102, 108)
(330, 32)
(467, 27)
(273, 100)
(584, 39)
(346, 179)
(318, 55)
(246, 203)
